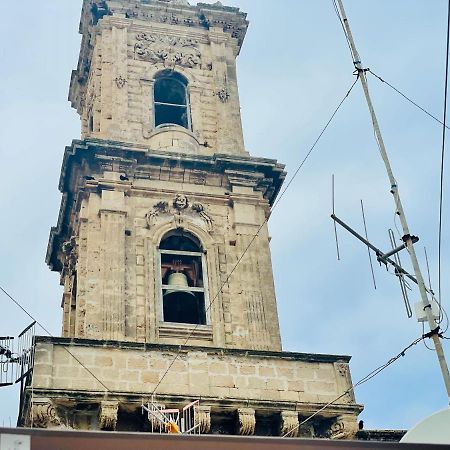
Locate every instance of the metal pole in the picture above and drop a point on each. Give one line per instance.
(394, 190)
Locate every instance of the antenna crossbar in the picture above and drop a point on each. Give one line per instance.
(381, 257)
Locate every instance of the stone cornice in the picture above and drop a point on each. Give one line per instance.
(307, 357)
(266, 175)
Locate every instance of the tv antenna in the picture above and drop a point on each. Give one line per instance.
(408, 239)
(17, 359)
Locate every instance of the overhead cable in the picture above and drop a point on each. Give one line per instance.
(441, 180)
(363, 380)
(48, 332)
(407, 98)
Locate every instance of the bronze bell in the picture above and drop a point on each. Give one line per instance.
(180, 305)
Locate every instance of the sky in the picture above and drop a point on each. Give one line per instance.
(293, 70)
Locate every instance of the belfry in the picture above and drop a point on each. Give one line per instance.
(163, 248)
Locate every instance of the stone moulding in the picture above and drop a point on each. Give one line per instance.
(90, 149)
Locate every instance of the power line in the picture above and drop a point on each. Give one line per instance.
(363, 380)
(407, 98)
(308, 154)
(441, 181)
(48, 332)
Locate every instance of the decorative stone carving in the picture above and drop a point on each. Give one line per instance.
(44, 414)
(70, 251)
(200, 210)
(346, 381)
(289, 425)
(246, 421)
(170, 50)
(180, 212)
(180, 202)
(203, 418)
(342, 369)
(159, 208)
(108, 415)
(120, 82)
(223, 94)
(343, 428)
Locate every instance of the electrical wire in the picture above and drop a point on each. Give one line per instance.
(363, 380)
(441, 181)
(48, 332)
(406, 97)
(336, 9)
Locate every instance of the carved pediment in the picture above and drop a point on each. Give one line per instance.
(169, 50)
(180, 211)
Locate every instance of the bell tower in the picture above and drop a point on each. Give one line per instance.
(160, 201)
(161, 190)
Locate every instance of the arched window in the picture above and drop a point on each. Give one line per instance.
(171, 99)
(183, 279)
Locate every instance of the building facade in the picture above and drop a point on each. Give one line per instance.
(162, 242)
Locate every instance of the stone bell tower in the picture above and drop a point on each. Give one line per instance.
(160, 200)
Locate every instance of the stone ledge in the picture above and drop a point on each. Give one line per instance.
(308, 357)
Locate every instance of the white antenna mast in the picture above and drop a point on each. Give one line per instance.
(407, 238)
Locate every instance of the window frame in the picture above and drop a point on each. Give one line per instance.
(179, 78)
(205, 289)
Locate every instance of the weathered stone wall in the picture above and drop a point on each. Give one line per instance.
(117, 230)
(247, 378)
(116, 101)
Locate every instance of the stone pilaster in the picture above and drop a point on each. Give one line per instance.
(112, 225)
(246, 421)
(108, 415)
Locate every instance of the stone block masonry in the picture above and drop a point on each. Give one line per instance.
(267, 383)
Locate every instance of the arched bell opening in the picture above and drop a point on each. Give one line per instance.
(182, 278)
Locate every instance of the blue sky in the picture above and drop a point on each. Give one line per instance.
(293, 70)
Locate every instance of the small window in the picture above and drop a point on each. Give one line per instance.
(171, 100)
(182, 279)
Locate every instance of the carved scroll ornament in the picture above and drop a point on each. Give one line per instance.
(246, 421)
(169, 50)
(289, 424)
(203, 419)
(43, 414)
(343, 428)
